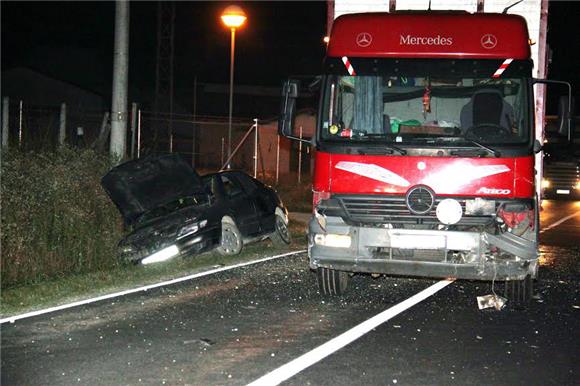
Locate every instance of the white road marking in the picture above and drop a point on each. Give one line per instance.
(559, 222)
(14, 318)
(304, 361)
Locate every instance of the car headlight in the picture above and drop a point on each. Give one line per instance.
(190, 229)
(545, 183)
(161, 255)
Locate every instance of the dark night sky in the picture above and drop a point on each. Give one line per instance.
(73, 41)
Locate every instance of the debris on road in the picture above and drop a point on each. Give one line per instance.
(491, 300)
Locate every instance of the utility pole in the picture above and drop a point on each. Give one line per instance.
(120, 81)
(164, 68)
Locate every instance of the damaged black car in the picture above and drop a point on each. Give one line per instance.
(172, 211)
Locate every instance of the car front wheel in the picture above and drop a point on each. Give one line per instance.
(281, 235)
(231, 240)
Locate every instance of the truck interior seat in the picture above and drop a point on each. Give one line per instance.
(486, 106)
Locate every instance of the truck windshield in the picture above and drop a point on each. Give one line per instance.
(423, 110)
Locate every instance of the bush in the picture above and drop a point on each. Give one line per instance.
(56, 218)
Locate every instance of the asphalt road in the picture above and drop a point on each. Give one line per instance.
(234, 327)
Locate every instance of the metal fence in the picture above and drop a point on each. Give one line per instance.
(33, 127)
(202, 140)
(256, 147)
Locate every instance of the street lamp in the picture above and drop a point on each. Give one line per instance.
(233, 17)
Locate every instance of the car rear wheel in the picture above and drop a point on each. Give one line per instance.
(231, 240)
(332, 282)
(281, 235)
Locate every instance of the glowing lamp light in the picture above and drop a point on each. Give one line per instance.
(545, 183)
(233, 16)
(326, 39)
(162, 255)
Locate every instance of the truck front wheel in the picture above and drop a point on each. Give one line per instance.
(519, 292)
(332, 282)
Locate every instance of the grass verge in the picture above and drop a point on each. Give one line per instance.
(72, 288)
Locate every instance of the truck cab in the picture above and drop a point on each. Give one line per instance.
(425, 150)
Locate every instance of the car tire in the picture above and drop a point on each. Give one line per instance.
(332, 282)
(230, 241)
(519, 292)
(281, 236)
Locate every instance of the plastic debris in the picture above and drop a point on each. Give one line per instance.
(491, 301)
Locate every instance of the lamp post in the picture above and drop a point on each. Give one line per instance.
(233, 17)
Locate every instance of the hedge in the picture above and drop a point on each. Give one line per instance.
(55, 217)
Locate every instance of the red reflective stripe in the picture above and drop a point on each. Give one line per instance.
(502, 68)
(348, 66)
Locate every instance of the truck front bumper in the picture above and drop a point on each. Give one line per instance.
(416, 252)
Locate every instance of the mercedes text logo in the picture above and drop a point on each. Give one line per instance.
(488, 41)
(364, 39)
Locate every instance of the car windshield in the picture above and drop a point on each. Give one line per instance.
(425, 110)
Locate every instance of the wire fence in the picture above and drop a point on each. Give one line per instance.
(36, 128)
(256, 147)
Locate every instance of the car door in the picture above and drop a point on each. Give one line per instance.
(265, 204)
(241, 207)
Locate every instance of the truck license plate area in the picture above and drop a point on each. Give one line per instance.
(562, 191)
(418, 241)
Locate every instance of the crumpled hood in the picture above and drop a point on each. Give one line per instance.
(141, 185)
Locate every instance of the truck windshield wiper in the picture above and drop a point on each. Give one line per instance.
(383, 146)
(490, 150)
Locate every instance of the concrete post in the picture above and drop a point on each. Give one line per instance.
(5, 120)
(133, 128)
(20, 112)
(120, 81)
(62, 128)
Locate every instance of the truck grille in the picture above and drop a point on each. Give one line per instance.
(420, 199)
(562, 174)
(394, 210)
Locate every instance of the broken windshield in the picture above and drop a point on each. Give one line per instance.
(406, 110)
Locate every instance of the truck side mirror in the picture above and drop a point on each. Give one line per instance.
(565, 114)
(288, 108)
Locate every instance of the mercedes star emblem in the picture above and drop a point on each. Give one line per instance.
(364, 39)
(488, 41)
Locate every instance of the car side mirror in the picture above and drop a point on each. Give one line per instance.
(288, 108)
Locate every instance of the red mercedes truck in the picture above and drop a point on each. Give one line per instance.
(424, 149)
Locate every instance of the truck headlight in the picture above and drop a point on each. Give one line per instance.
(545, 183)
(332, 240)
(190, 229)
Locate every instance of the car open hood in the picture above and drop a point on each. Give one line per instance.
(139, 186)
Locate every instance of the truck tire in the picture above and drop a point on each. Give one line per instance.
(519, 292)
(332, 282)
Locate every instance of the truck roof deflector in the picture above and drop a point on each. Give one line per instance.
(502, 68)
(348, 66)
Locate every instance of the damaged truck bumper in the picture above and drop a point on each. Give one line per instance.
(417, 252)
